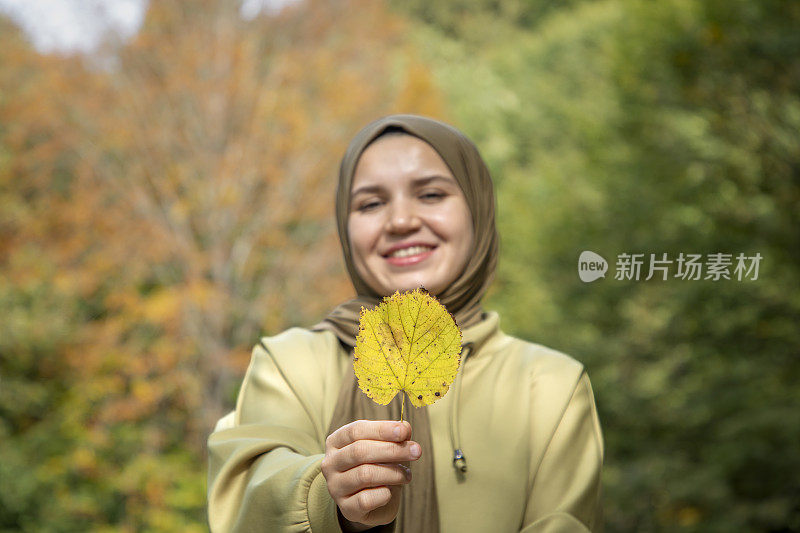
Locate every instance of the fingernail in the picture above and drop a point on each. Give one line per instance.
(415, 450)
(397, 432)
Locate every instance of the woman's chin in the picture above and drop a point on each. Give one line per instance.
(410, 286)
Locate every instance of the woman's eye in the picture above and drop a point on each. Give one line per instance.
(433, 195)
(368, 206)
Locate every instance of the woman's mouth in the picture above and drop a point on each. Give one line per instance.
(410, 255)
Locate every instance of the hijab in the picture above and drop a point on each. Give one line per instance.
(418, 506)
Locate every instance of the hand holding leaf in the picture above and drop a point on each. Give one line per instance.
(410, 343)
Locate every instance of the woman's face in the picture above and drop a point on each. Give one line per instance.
(409, 223)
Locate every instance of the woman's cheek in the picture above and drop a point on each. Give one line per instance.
(362, 237)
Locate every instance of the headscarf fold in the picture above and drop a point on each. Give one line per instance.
(418, 511)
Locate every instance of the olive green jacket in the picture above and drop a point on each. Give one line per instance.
(523, 415)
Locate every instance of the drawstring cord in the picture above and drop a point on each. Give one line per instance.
(459, 459)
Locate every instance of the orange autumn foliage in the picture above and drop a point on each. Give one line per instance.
(172, 205)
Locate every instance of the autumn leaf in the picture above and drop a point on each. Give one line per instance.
(409, 342)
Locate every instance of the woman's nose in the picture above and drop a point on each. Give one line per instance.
(403, 219)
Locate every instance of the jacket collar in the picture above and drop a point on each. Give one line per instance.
(481, 332)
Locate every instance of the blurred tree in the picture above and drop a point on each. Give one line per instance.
(213, 141)
(41, 310)
(159, 213)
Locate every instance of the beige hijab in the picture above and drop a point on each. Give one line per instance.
(418, 507)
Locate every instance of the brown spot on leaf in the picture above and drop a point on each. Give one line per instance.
(436, 393)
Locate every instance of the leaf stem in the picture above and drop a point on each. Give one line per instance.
(402, 405)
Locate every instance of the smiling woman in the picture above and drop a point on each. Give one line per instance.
(306, 450)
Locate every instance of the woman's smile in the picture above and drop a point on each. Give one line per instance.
(411, 254)
(409, 224)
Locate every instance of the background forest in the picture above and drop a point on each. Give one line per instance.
(165, 201)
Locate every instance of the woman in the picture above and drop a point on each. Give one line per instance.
(306, 450)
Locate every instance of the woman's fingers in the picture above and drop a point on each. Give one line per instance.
(372, 475)
(375, 451)
(373, 506)
(385, 430)
(362, 470)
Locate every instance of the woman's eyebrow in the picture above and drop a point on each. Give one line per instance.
(417, 182)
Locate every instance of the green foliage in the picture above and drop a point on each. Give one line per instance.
(652, 127)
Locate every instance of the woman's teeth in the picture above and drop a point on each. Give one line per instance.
(406, 252)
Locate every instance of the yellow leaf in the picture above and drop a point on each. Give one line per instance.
(410, 343)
